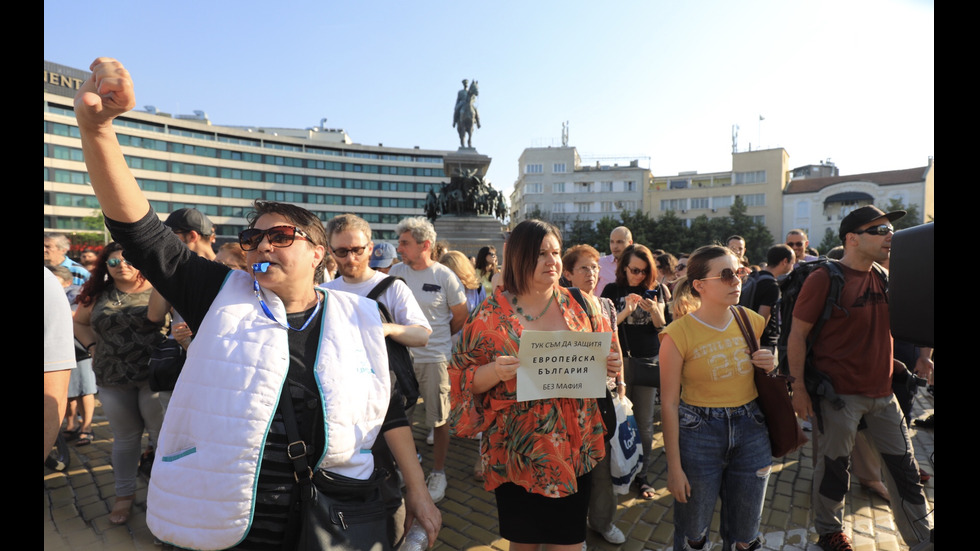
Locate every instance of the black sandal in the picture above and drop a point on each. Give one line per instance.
(70, 435)
(85, 438)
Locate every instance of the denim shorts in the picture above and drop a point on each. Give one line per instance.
(725, 454)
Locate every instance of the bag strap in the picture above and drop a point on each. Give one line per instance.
(296, 448)
(382, 286)
(742, 319)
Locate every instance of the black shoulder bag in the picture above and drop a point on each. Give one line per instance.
(336, 512)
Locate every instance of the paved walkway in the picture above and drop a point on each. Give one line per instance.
(77, 502)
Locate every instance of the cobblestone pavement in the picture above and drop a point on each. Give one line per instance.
(77, 502)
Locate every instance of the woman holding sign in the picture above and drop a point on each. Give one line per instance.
(537, 454)
(715, 436)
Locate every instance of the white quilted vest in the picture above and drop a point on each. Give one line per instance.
(201, 494)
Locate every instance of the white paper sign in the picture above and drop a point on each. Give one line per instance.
(562, 364)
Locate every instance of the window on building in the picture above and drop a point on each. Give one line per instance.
(754, 200)
(700, 203)
(629, 185)
(534, 169)
(722, 202)
(583, 187)
(606, 187)
(673, 204)
(558, 168)
(756, 177)
(583, 207)
(558, 207)
(678, 184)
(534, 187)
(558, 187)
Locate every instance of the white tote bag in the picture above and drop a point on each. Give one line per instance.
(626, 455)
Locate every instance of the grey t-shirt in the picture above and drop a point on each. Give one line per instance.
(437, 290)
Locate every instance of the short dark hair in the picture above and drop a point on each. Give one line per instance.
(521, 253)
(304, 220)
(779, 252)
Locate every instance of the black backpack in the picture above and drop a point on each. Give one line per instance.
(817, 383)
(400, 362)
(747, 298)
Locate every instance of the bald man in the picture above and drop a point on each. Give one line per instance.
(619, 239)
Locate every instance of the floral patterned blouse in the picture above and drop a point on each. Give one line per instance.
(540, 445)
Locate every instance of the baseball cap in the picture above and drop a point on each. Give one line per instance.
(188, 219)
(863, 215)
(382, 256)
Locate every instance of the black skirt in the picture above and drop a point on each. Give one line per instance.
(527, 517)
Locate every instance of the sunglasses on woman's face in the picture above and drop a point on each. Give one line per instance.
(636, 271)
(279, 237)
(727, 276)
(113, 262)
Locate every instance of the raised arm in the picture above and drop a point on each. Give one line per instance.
(105, 95)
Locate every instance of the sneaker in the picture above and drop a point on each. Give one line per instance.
(430, 439)
(437, 486)
(613, 535)
(835, 541)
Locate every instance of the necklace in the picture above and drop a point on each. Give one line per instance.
(532, 318)
(118, 299)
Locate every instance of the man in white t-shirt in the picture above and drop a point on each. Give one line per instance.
(619, 239)
(350, 243)
(441, 296)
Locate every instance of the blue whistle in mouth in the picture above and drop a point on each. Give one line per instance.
(260, 267)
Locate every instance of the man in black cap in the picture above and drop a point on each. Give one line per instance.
(195, 229)
(854, 350)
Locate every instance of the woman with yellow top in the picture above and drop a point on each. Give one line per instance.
(538, 454)
(715, 437)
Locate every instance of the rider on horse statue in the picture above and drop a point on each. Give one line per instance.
(465, 113)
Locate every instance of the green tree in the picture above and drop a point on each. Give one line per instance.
(583, 232)
(643, 228)
(671, 233)
(830, 240)
(912, 217)
(603, 228)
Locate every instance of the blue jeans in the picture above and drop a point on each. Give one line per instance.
(724, 453)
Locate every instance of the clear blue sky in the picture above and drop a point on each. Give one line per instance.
(850, 81)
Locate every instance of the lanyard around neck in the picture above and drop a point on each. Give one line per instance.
(265, 308)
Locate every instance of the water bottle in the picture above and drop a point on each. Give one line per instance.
(416, 539)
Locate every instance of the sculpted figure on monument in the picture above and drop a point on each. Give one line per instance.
(465, 114)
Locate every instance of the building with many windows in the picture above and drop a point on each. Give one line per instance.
(819, 204)
(758, 177)
(554, 182)
(185, 161)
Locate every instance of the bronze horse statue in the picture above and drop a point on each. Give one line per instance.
(467, 115)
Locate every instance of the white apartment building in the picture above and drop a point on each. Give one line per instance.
(553, 181)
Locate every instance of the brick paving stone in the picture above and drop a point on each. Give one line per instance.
(77, 503)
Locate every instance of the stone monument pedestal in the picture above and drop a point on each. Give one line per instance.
(467, 233)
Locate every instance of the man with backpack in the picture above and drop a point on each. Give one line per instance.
(350, 243)
(853, 351)
(760, 292)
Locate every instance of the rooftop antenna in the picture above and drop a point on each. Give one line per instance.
(734, 139)
(564, 134)
(761, 118)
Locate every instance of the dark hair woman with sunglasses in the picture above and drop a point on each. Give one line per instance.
(715, 437)
(111, 323)
(640, 305)
(266, 342)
